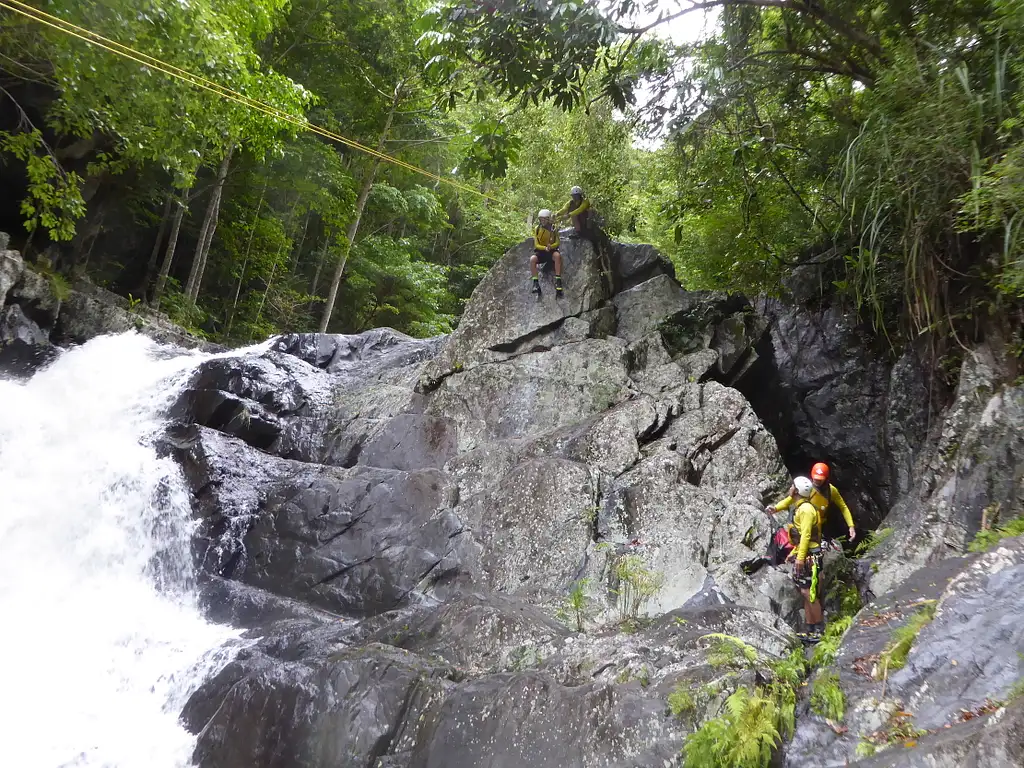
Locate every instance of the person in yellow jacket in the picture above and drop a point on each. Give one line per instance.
(808, 557)
(545, 249)
(823, 496)
(578, 210)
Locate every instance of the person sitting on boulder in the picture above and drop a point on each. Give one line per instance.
(578, 210)
(808, 558)
(545, 250)
(824, 496)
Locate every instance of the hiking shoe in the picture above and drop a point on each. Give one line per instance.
(558, 283)
(536, 286)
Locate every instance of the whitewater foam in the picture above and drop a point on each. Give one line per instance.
(101, 641)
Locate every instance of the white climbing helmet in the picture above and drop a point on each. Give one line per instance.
(804, 486)
(576, 191)
(544, 214)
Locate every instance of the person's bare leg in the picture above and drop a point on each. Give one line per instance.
(533, 265)
(558, 263)
(814, 612)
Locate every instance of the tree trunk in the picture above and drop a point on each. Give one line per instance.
(195, 276)
(353, 228)
(172, 242)
(302, 240)
(245, 263)
(206, 251)
(319, 266)
(154, 256)
(263, 300)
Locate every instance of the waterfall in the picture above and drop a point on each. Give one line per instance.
(101, 641)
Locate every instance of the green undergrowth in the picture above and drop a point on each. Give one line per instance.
(754, 720)
(986, 540)
(896, 651)
(827, 698)
(846, 598)
(871, 541)
(744, 736)
(637, 584)
(826, 649)
(575, 609)
(681, 703)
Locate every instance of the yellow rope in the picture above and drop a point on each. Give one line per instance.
(146, 60)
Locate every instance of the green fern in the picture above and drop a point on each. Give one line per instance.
(681, 703)
(744, 736)
(827, 698)
(826, 649)
(871, 540)
(731, 652)
(790, 669)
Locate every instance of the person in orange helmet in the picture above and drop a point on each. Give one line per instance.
(823, 496)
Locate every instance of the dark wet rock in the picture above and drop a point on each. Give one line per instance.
(596, 701)
(634, 264)
(528, 719)
(348, 540)
(965, 659)
(361, 355)
(11, 267)
(24, 346)
(412, 441)
(227, 601)
(972, 472)
(406, 520)
(478, 632)
(829, 392)
(306, 698)
(34, 293)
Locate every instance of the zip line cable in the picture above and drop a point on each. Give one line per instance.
(93, 38)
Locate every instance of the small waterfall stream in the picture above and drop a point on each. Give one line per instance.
(101, 641)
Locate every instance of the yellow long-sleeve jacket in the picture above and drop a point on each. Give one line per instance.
(584, 206)
(822, 503)
(808, 523)
(545, 239)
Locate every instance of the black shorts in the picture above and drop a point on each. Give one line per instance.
(544, 257)
(811, 576)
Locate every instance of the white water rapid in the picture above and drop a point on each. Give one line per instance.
(101, 642)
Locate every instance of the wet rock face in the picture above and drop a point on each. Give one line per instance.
(970, 474)
(37, 319)
(401, 522)
(442, 497)
(961, 666)
(829, 393)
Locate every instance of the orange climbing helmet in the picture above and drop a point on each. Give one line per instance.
(819, 472)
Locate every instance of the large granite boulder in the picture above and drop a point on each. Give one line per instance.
(970, 475)
(957, 700)
(446, 497)
(11, 267)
